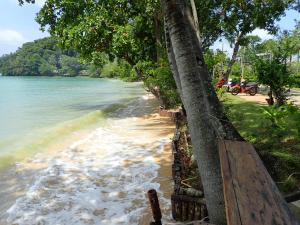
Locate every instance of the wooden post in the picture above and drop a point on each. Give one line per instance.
(152, 195)
(191, 212)
(185, 206)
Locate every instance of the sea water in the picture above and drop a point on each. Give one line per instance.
(36, 111)
(103, 177)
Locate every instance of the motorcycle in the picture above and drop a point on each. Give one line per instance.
(221, 83)
(247, 88)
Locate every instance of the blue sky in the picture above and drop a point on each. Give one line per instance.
(286, 23)
(17, 26)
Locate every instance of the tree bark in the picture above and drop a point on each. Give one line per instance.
(172, 61)
(225, 127)
(233, 57)
(206, 120)
(158, 38)
(195, 18)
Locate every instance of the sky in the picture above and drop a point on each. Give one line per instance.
(287, 22)
(17, 26)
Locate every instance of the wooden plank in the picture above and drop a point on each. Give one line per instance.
(249, 190)
(231, 207)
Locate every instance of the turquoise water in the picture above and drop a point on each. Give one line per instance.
(36, 110)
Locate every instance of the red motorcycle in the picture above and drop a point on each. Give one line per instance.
(250, 89)
(220, 83)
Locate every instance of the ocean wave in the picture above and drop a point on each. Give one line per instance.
(99, 180)
(39, 141)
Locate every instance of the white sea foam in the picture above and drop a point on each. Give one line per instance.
(102, 179)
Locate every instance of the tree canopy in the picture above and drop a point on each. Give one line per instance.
(114, 27)
(133, 31)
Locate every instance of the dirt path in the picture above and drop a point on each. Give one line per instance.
(294, 96)
(257, 98)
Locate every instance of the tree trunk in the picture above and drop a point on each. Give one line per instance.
(279, 96)
(172, 61)
(158, 38)
(270, 100)
(206, 120)
(233, 57)
(195, 18)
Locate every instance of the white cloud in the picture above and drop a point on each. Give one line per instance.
(263, 34)
(11, 37)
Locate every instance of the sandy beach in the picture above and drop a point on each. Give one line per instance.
(102, 178)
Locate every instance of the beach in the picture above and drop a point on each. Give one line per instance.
(101, 178)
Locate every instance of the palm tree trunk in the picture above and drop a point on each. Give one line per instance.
(233, 57)
(206, 120)
(158, 37)
(172, 61)
(195, 17)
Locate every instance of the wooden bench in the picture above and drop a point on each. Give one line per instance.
(251, 196)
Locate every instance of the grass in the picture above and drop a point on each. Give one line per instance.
(275, 134)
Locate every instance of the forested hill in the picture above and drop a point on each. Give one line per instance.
(41, 58)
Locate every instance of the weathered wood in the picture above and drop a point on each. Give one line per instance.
(185, 206)
(154, 203)
(187, 203)
(186, 143)
(197, 222)
(177, 158)
(198, 214)
(191, 212)
(292, 197)
(251, 196)
(204, 211)
(232, 210)
(176, 136)
(185, 198)
(173, 202)
(173, 147)
(178, 210)
(191, 192)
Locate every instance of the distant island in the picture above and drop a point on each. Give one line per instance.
(42, 57)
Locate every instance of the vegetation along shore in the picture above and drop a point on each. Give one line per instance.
(234, 161)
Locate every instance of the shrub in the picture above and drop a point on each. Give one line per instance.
(159, 80)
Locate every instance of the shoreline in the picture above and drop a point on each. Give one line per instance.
(38, 110)
(146, 131)
(165, 180)
(13, 181)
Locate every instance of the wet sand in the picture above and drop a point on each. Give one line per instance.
(102, 179)
(15, 180)
(165, 179)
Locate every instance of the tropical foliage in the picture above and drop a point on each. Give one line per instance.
(41, 58)
(275, 132)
